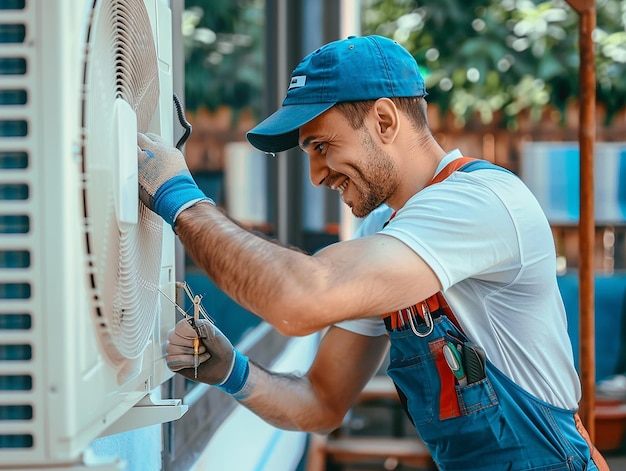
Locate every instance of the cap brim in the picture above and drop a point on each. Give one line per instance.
(280, 131)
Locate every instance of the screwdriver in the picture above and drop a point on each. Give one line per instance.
(196, 341)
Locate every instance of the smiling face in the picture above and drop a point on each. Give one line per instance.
(349, 161)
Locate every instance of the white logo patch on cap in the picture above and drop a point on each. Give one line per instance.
(297, 81)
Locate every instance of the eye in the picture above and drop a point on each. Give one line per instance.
(321, 148)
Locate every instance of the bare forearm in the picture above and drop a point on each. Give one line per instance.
(318, 401)
(218, 245)
(288, 402)
(253, 271)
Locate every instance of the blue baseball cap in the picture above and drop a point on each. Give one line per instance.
(352, 69)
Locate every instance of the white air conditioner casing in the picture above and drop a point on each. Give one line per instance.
(78, 352)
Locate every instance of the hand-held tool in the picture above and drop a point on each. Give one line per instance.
(455, 363)
(196, 341)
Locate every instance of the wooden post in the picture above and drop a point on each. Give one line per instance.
(586, 226)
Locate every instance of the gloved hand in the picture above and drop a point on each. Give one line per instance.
(165, 184)
(220, 364)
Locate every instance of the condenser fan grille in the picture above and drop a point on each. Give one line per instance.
(136, 75)
(124, 239)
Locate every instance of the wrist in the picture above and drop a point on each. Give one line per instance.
(249, 385)
(176, 195)
(236, 379)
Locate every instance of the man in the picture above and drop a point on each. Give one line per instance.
(466, 266)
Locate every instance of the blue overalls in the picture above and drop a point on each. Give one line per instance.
(469, 423)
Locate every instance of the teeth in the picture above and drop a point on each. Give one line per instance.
(341, 188)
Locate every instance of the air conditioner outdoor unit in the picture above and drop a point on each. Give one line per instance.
(85, 269)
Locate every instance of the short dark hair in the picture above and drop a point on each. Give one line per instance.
(413, 107)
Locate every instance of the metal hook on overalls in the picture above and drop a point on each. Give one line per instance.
(428, 320)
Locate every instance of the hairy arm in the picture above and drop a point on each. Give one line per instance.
(298, 293)
(318, 401)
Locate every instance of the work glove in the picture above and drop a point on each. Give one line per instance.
(165, 184)
(219, 363)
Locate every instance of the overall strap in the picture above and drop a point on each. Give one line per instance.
(465, 164)
(596, 456)
(456, 164)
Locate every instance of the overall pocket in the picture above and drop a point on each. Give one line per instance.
(476, 397)
(411, 371)
(468, 411)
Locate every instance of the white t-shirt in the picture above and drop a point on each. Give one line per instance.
(486, 238)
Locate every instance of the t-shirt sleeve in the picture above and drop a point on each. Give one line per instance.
(368, 326)
(460, 228)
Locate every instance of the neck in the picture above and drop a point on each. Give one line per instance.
(418, 163)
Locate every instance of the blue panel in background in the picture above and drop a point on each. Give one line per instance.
(564, 165)
(552, 172)
(621, 191)
(610, 310)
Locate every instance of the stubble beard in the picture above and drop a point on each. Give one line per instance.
(378, 177)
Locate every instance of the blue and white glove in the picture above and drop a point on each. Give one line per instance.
(165, 184)
(220, 364)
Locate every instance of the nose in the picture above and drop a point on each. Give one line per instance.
(318, 170)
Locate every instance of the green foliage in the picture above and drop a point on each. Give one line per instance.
(495, 58)
(223, 53)
(504, 56)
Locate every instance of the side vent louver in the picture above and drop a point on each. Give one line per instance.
(16, 353)
(82, 264)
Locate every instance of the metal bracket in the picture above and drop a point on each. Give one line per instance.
(148, 411)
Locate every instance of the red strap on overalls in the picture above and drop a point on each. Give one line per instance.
(450, 169)
(596, 456)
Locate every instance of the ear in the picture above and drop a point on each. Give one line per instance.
(387, 119)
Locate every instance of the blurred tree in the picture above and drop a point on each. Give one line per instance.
(490, 57)
(223, 54)
(499, 57)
